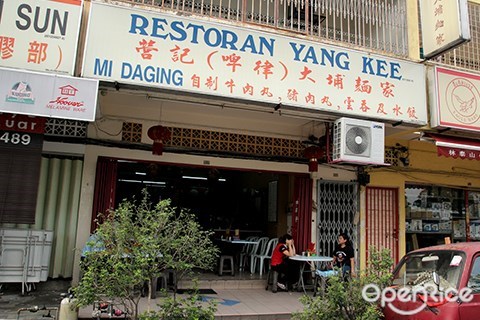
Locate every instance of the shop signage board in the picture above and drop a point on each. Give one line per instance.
(445, 25)
(40, 35)
(47, 95)
(155, 49)
(455, 99)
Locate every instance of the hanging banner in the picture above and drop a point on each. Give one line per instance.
(155, 49)
(47, 95)
(40, 35)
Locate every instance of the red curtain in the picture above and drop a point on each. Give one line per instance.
(104, 192)
(302, 213)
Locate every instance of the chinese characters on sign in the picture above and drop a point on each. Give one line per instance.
(444, 25)
(39, 35)
(153, 49)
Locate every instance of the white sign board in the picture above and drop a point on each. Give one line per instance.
(47, 95)
(445, 25)
(39, 35)
(159, 50)
(455, 97)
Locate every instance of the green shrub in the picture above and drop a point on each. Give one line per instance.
(139, 242)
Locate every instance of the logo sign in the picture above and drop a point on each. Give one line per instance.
(425, 296)
(456, 99)
(156, 49)
(21, 93)
(39, 35)
(47, 95)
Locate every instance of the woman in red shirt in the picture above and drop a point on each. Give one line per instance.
(286, 268)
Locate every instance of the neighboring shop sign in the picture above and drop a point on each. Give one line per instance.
(445, 25)
(196, 55)
(455, 97)
(40, 35)
(20, 130)
(48, 95)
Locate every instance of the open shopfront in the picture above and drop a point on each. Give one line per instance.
(434, 213)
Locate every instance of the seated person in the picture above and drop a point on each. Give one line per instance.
(343, 259)
(280, 262)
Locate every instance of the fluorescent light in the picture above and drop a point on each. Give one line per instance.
(222, 179)
(140, 173)
(127, 180)
(194, 178)
(155, 182)
(140, 181)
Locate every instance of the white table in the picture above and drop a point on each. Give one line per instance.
(311, 261)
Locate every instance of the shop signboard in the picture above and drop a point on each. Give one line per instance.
(40, 35)
(455, 99)
(156, 49)
(47, 95)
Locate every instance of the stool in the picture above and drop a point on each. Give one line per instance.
(222, 263)
(272, 279)
(164, 284)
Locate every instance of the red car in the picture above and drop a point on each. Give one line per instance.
(439, 282)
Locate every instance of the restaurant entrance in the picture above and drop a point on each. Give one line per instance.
(254, 202)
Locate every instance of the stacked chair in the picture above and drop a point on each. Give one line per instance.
(264, 254)
(246, 253)
(258, 249)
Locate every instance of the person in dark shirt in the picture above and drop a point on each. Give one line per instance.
(344, 256)
(281, 263)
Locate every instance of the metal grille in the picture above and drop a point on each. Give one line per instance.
(467, 56)
(232, 142)
(379, 25)
(391, 156)
(336, 210)
(132, 132)
(66, 128)
(382, 219)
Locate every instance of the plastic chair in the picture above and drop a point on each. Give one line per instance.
(257, 249)
(265, 254)
(246, 252)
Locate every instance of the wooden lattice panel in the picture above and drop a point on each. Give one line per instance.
(132, 132)
(197, 139)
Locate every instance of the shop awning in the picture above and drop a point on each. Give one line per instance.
(454, 147)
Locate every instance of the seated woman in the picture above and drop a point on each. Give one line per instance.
(280, 262)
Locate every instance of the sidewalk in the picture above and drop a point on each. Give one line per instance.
(240, 303)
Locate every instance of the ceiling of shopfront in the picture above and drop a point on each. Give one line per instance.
(220, 198)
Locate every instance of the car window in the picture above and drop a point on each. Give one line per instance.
(416, 270)
(474, 279)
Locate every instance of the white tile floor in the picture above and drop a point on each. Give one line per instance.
(242, 296)
(254, 303)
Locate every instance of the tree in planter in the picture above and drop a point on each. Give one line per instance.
(136, 243)
(344, 300)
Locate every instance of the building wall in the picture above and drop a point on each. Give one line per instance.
(425, 167)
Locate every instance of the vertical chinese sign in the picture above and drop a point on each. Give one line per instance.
(445, 25)
(40, 35)
(21, 142)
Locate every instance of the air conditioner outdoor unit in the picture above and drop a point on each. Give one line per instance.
(358, 141)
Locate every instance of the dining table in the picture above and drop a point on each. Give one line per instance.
(313, 262)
